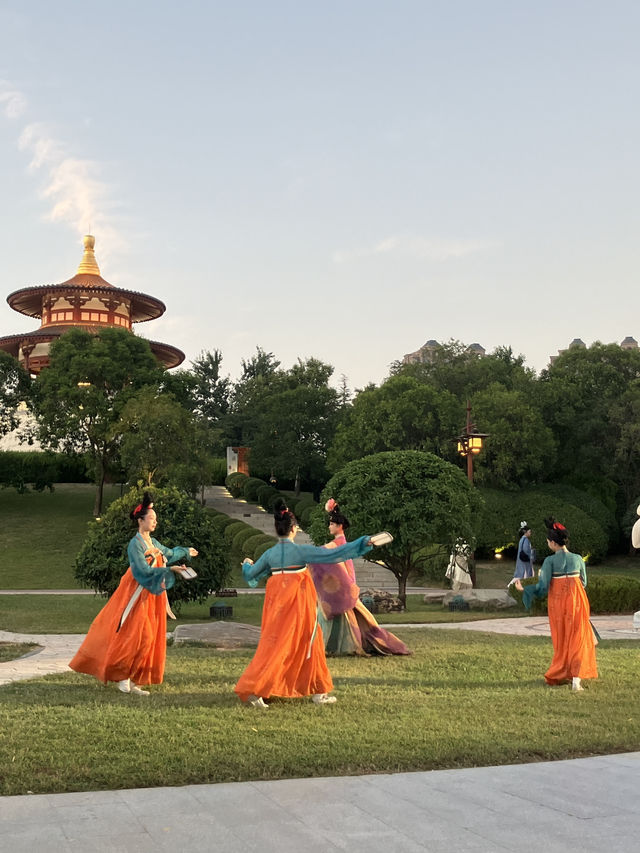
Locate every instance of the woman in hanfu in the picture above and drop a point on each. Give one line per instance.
(563, 578)
(290, 660)
(348, 627)
(127, 641)
(524, 556)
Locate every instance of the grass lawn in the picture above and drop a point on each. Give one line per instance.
(458, 701)
(72, 614)
(11, 651)
(42, 532)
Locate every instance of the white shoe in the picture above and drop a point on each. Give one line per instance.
(138, 690)
(323, 699)
(125, 685)
(257, 702)
(576, 686)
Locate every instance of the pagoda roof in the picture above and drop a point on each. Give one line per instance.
(168, 355)
(28, 300)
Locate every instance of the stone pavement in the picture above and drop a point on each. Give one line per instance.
(588, 805)
(54, 654)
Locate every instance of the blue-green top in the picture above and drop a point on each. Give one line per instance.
(562, 564)
(156, 579)
(286, 554)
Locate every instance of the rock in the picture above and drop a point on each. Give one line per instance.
(222, 635)
(380, 601)
(482, 599)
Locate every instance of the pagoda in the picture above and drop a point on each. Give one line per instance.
(87, 301)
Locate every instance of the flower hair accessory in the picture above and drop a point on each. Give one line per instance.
(330, 505)
(523, 524)
(558, 526)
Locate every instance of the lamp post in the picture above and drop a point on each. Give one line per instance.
(470, 443)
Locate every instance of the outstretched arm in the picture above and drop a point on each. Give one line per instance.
(156, 580)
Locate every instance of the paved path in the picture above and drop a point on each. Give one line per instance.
(588, 805)
(55, 653)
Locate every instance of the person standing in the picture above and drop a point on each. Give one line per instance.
(563, 577)
(127, 641)
(525, 555)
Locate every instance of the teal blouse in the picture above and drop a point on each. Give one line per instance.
(155, 579)
(287, 554)
(562, 564)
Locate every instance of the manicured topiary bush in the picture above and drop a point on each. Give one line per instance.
(231, 530)
(250, 488)
(102, 560)
(264, 493)
(235, 483)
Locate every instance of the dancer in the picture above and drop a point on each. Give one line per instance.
(347, 626)
(563, 576)
(290, 659)
(525, 555)
(127, 641)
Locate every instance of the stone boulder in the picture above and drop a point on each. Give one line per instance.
(481, 599)
(380, 601)
(222, 635)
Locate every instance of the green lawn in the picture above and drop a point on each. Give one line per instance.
(72, 614)
(42, 532)
(11, 651)
(458, 701)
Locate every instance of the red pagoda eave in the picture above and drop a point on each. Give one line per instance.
(28, 300)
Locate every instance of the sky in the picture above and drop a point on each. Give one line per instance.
(343, 180)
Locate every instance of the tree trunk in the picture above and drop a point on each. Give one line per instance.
(297, 483)
(100, 474)
(402, 589)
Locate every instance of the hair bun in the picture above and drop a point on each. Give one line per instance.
(280, 508)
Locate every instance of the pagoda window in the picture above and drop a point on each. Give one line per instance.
(61, 316)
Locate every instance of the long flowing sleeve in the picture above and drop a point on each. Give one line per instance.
(540, 589)
(583, 573)
(320, 554)
(156, 580)
(172, 555)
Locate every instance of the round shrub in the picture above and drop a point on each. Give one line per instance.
(272, 500)
(250, 488)
(221, 522)
(102, 560)
(253, 547)
(260, 549)
(304, 518)
(609, 594)
(264, 493)
(240, 537)
(233, 528)
(235, 483)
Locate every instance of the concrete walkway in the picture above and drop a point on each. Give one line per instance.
(589, 805)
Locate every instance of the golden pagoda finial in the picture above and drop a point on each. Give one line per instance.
(88, 264)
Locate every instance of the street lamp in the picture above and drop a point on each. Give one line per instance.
(470, 443)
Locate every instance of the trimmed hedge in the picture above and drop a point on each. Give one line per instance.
(250, 489)
(264, 493)
(233, 528)
(235, 483)
(609, 594)
(41, 468)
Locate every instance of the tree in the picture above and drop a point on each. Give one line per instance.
(80, 397)
(157, 435)
(14, 389)
(520, 448)
(402, 414)
(420, 499)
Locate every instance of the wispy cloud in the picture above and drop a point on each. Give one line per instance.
(73, 187)
(427, 248)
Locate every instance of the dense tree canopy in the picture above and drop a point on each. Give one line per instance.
(14, 389)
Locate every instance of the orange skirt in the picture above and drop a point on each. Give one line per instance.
(138, 650)
(574, 652)
(290, 659)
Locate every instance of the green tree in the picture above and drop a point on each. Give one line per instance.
(79, 399)
(14, 389)
(157, 436)
(402, 414)
(521, 448)
(423, 501)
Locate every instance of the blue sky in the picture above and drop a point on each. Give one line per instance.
(342, 180)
